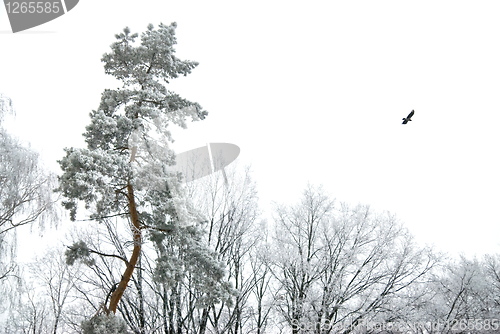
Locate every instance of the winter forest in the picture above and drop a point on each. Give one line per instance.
(153, 254)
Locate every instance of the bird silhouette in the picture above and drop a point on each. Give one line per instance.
(408, 118)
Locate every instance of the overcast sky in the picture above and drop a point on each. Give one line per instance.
(310, 91)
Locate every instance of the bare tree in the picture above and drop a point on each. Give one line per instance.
(492, 271)
(231, 211)
(25, 197)
(29, 314)
(341, 266)
(263, 297)
(465, 296)
(296, 263)
(25, 191)
(51, 275)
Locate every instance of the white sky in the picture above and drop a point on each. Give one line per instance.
(310, 91)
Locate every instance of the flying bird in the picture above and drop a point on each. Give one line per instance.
(408, 118)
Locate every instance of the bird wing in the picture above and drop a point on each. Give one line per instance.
(411, 114)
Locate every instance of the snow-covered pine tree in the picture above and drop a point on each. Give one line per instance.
(105, 324)
(124, 172)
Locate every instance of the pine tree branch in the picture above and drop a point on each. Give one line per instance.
(109, 255)
(103, 217)
(103, 254)
(169, 228)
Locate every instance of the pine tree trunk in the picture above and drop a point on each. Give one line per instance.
(118, 293)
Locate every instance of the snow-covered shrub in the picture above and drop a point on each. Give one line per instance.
(105, 324)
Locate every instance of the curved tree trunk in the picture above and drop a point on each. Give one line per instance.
(118, 293)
